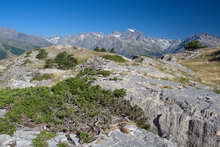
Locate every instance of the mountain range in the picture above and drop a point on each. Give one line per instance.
(133, 43)
(128, 43)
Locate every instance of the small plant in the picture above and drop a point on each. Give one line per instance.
(142, 124)
(115, 79)
(112, 50)
(104, 73)
(42, 77)
(28, 54)
(217, 91)
(27, 61)
(42, 54)
(42, 138)
(97, 49)
(6, 127)
(49, 63)
(115, 58)
(93, 72)
(85, 137)
(182, 80)
(119, 92)
(62, 144)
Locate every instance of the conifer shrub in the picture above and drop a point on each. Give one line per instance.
(42, 54)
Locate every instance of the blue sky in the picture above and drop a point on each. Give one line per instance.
(157, 18)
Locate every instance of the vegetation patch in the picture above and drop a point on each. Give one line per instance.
(93, 72)
(85, 137)
(182, 80)
(62, 61)
(41, 77)
(206, 67)
(62, 144)
(115, 58)
(27, 61)
(42, 138)
(97, 49)
(193, 45)
(28, 54)
(73, 105)
(42, 54)
(115, 79)
(6, 127)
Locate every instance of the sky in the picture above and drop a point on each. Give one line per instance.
(173, 19)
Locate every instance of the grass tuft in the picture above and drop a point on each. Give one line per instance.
(115, 58)
(42, 138)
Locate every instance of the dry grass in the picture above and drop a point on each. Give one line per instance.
(208, 72)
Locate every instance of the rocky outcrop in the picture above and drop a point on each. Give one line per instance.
(115, 138)
(178, 112)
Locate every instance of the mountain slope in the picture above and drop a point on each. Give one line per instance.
(15, 43)
(163, 94)
(129, 43)
(133, 43)
(205, 39)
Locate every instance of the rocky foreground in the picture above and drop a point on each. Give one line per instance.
(181, 111)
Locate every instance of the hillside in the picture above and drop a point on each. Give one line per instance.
(205, 63)
(70, 96)
(132, 43)
(16, 43)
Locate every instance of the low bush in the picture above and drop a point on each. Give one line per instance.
(41, 77)
(97, 49)
(63, 61)
(85, 137)
(115, 58)
(42, 54)
(93, 72)
(72, 105)
(193, 45)
(62, 145)
(42, 138)
(6, 127)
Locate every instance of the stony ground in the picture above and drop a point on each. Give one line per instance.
(182, 112)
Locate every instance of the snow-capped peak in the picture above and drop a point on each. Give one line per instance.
(131, 30)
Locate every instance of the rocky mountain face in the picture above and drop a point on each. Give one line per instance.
(16, 43)
(181, 111)
(133, 43)
(130, 43)
(205, 39)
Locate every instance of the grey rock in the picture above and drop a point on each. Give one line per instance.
(184, 114)
(2, 113)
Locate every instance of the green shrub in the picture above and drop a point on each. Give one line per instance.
(28, 53)
(74, 100)
(93, 72)
(112, 50)
(115, 79)
(42, 138)
(182, 80)
(65, 61)
(62, 145)
(41, 77)
(49, 63)
(42, 54)
(217, 91)
(193, 45)
(119, 92)
(100, 49)
(115, 58)
(85, 137)
(27, 61)
(6, 127)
